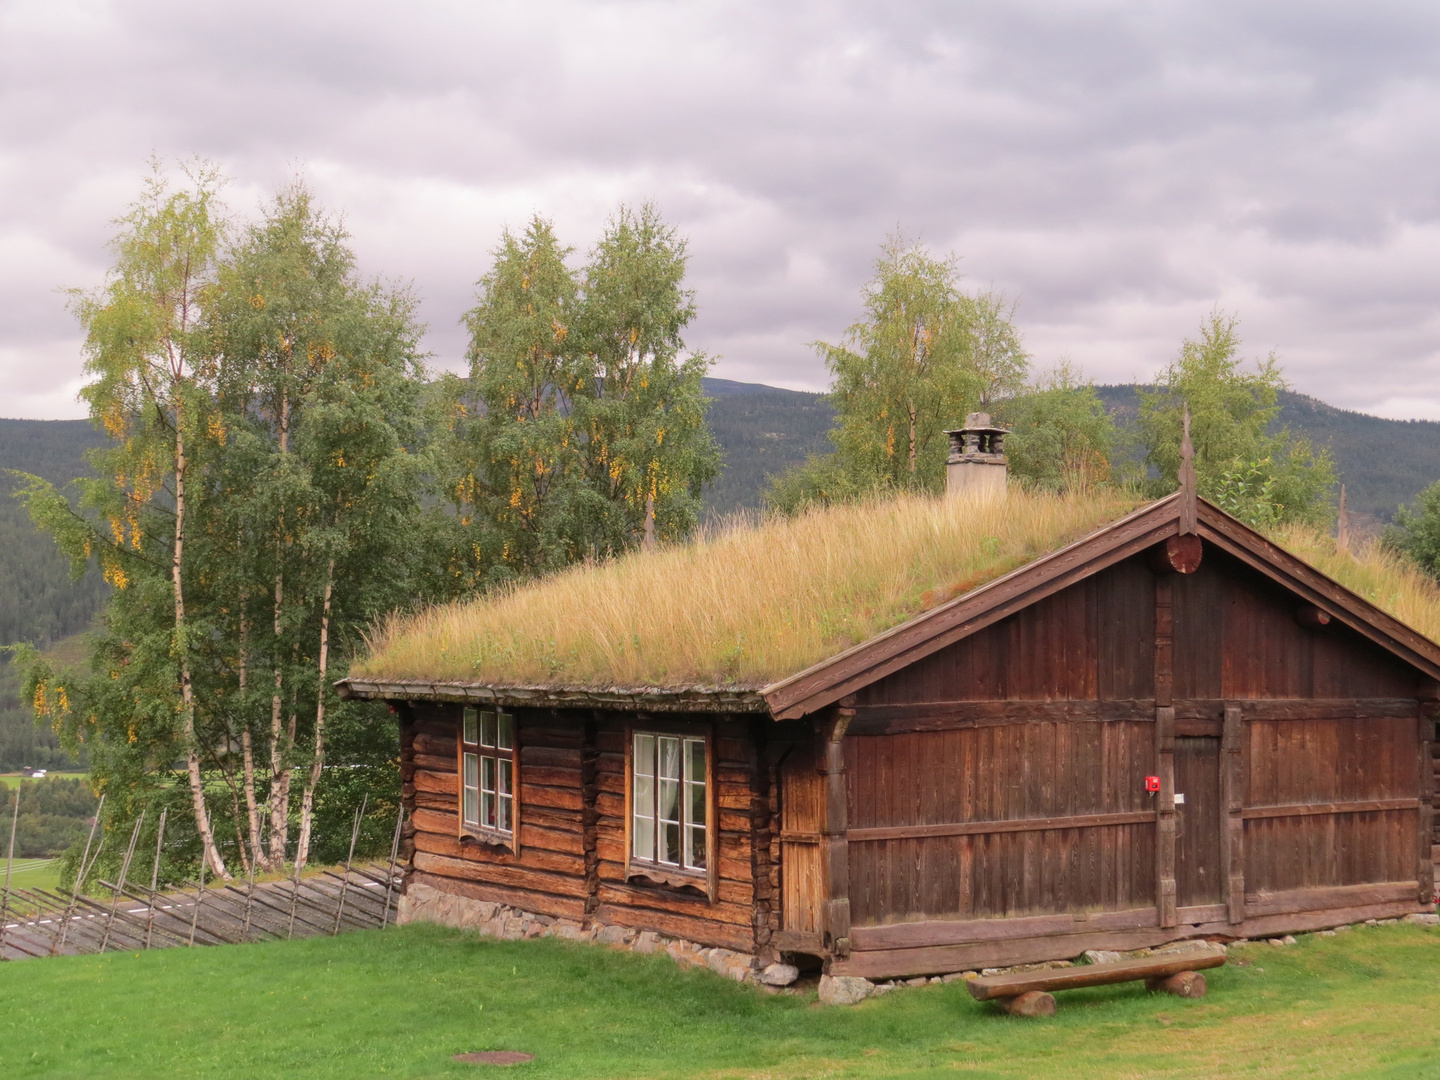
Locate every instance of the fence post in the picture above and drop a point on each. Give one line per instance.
(82, 872)
(394, 856)
(119, 885)
(155, 877)
(345, 884)
(9, 859)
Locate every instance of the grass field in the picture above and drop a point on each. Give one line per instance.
(400, 1003)
(32, 873)
(9, 779)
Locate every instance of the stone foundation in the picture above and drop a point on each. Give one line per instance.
(425, 903)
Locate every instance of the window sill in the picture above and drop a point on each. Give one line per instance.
(695, 883)
(489, 837)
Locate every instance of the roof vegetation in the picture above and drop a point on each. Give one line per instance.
(742, 606)
(1387, 579)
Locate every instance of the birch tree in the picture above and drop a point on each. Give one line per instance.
(150, 390)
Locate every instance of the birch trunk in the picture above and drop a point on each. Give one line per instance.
(317, 763)
(247, 748)
(910, 406)
(279, 752)
(187, 695)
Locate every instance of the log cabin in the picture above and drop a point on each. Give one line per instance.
(1113, 729)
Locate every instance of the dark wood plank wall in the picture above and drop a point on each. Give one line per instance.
(1236, 639)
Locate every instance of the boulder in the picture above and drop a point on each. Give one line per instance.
(1101, 956)
(1031, 1003)
(780, 975)
(614, 935)
(844, 989)
(1425, 919)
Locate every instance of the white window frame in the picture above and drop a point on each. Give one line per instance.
(489, 774)
(687, 856)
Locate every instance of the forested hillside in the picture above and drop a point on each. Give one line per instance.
(762, 430)
(1382, 463)
(39, 603)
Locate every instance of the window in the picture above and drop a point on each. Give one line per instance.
(669, 808)
(487, 771)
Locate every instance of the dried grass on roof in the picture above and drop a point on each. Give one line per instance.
(744, 606)
(1388, 580)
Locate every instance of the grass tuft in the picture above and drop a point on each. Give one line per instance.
(743, 606)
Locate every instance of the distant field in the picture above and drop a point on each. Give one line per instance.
(400, 1003)
(8, 779)
(31, 873)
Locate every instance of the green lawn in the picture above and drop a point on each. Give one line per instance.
(400, 1003)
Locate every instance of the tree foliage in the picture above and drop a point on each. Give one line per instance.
(1061, 436)
(923, 355)
(581, 430)
(1416, 530)
(283, 442)
(1260, 475)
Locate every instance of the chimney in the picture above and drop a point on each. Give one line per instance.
(977, 458)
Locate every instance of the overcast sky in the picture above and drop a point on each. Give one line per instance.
(1117, 169)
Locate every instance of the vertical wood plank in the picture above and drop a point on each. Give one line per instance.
(1424, 864)
(836, 859)
(1165, 752)
(1232, 823)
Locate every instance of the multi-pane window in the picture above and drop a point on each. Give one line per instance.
(487, 776)
(668, 803)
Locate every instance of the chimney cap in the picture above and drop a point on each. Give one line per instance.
(979, 423)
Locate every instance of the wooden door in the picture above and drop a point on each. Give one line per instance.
(801, 810)
(1198, 872)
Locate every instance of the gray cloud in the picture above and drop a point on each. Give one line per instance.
(1117, 168)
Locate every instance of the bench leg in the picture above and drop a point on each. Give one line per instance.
(1030, 1003)
(1187, 984)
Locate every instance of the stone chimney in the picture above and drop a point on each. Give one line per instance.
(977, 458)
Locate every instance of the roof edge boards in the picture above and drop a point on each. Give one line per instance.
(646, 699)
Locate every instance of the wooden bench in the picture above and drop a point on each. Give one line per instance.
(1028, 993)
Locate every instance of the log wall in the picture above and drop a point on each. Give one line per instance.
(571, 858)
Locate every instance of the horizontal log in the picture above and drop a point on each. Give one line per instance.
(947, 715)
(444, 801)
(1337, 896)
(1012, 825)
(550, 839)
(933, 932)
(556, 798)
(680, 903)
(502, 875)
(550, 756)
(801, 941)
(436, 782)
(1362, 806)
(990, 987)
(703, 931)
(541, 903)
(549, 776)
(435, 745)
(488, 855)
(434, 763)
(435, 821)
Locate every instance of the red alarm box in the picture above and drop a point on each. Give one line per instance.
(1152, 784)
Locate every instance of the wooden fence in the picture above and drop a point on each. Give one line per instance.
(38, 922)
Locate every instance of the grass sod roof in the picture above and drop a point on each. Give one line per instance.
(739, 608)
(749, 605)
